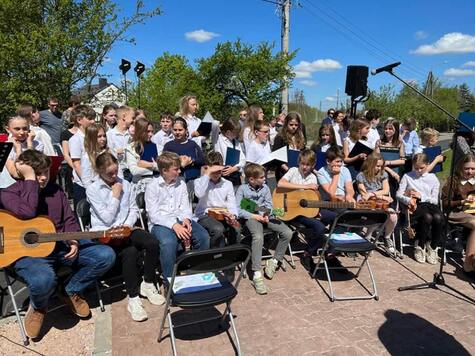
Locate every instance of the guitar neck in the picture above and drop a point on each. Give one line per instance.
(67, 236)
(327, 204)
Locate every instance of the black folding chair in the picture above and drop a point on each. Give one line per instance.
(217, 261)
(346, 236)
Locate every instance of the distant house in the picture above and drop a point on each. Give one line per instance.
(99, 95)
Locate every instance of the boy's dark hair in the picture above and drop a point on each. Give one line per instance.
(231, 125)
(307, 156)
(36, 160)
(253, 170)
(373, 114)
(83, 111)
(214, 159)
(333, 153)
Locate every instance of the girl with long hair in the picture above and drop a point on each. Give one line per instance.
(463, 195)
(95, 143)
(254, 115)
(291, 135)
(188, 109)
(109, 117)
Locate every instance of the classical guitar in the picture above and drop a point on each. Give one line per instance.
(308, 203)
(37, 237)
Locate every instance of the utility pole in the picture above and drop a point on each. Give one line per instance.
(285, 6)
(338, 99)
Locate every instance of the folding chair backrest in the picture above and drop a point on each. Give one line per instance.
(83, 213)
(360, 218)
(212, 260)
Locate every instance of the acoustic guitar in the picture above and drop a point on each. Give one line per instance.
(37, 237)
(305, 202)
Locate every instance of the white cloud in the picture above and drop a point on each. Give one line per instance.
(305, 69)
(420, 35)
(329, 98)
(454, 42)
(200, 36)
(469, 64)
(309, 83)
(455, 72)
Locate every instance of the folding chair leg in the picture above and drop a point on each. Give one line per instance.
(172, 333)
(292, 262)
(99, 296)
(162, 325)
(361, 266)
(17, 313)
(332, 294)
(231, 319)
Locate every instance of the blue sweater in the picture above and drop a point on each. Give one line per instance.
(191, 149)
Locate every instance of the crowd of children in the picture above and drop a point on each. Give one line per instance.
(114, 161)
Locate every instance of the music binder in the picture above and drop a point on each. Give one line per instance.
(432, 153)
(5, 148)
(391, 154)
(292, 158)
(205, 128)
(232, 156)
(321, 160)
(358, 149)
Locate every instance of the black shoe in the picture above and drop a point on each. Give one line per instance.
(308, 263)
(334, 262)
(469, 275)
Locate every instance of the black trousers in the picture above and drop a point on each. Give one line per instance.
(139, 241)
(217, 229)
(430, 224)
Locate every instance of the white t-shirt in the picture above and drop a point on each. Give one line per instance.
(76, 150)
(372, 138)
(295, 176)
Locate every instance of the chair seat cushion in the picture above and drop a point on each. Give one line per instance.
(363, 246)
(206, 297)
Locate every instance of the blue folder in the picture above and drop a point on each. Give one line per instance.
(321, 160)
(391, 154)
(292, 158)
(232, 156)
(431, 153)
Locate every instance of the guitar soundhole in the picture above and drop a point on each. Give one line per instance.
(30, 238)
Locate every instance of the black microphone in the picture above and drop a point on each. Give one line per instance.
(387, 68)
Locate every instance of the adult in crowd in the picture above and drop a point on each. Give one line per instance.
(329, 118)
(51, 121)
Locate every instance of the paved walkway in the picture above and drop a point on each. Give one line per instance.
(297, 318)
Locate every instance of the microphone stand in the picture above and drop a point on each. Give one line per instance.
(438, 279)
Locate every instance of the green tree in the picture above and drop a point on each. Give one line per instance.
(465, 98)
(49, 46)
(241, 74)
(162, 86)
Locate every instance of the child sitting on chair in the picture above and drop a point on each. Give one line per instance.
(169, 213)
(215, 192)
(258, 192)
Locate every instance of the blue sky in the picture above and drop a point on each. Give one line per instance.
(424, 35)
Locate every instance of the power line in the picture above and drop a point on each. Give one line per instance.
(369, 47)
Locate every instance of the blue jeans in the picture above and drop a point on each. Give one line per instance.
(318, 228)
(170, 245)
(92, 261)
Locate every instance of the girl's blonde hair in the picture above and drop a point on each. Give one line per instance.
(356, 127)
(91, 145)
(369, 167)
(184, 107)
(427, 134)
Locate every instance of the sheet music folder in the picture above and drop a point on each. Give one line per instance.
(205, 128)
(232, 156)
(5, 148)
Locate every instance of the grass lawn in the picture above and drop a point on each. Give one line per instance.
(446, 167)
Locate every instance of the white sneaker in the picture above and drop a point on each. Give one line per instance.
(431, 254)
(419, 254)
(151, 292)
(388, 244)
(136, 310)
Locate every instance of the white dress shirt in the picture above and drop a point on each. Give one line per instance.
(117, 140)
(222, 147)
(107, 211)
(427, 184)
(372, 138)
(37, 145)
(167, 204)
(214, 195)
(42, 136)
(193, 124)
(160, 139)
(258, 152)
(89, 175)
(76, 150)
